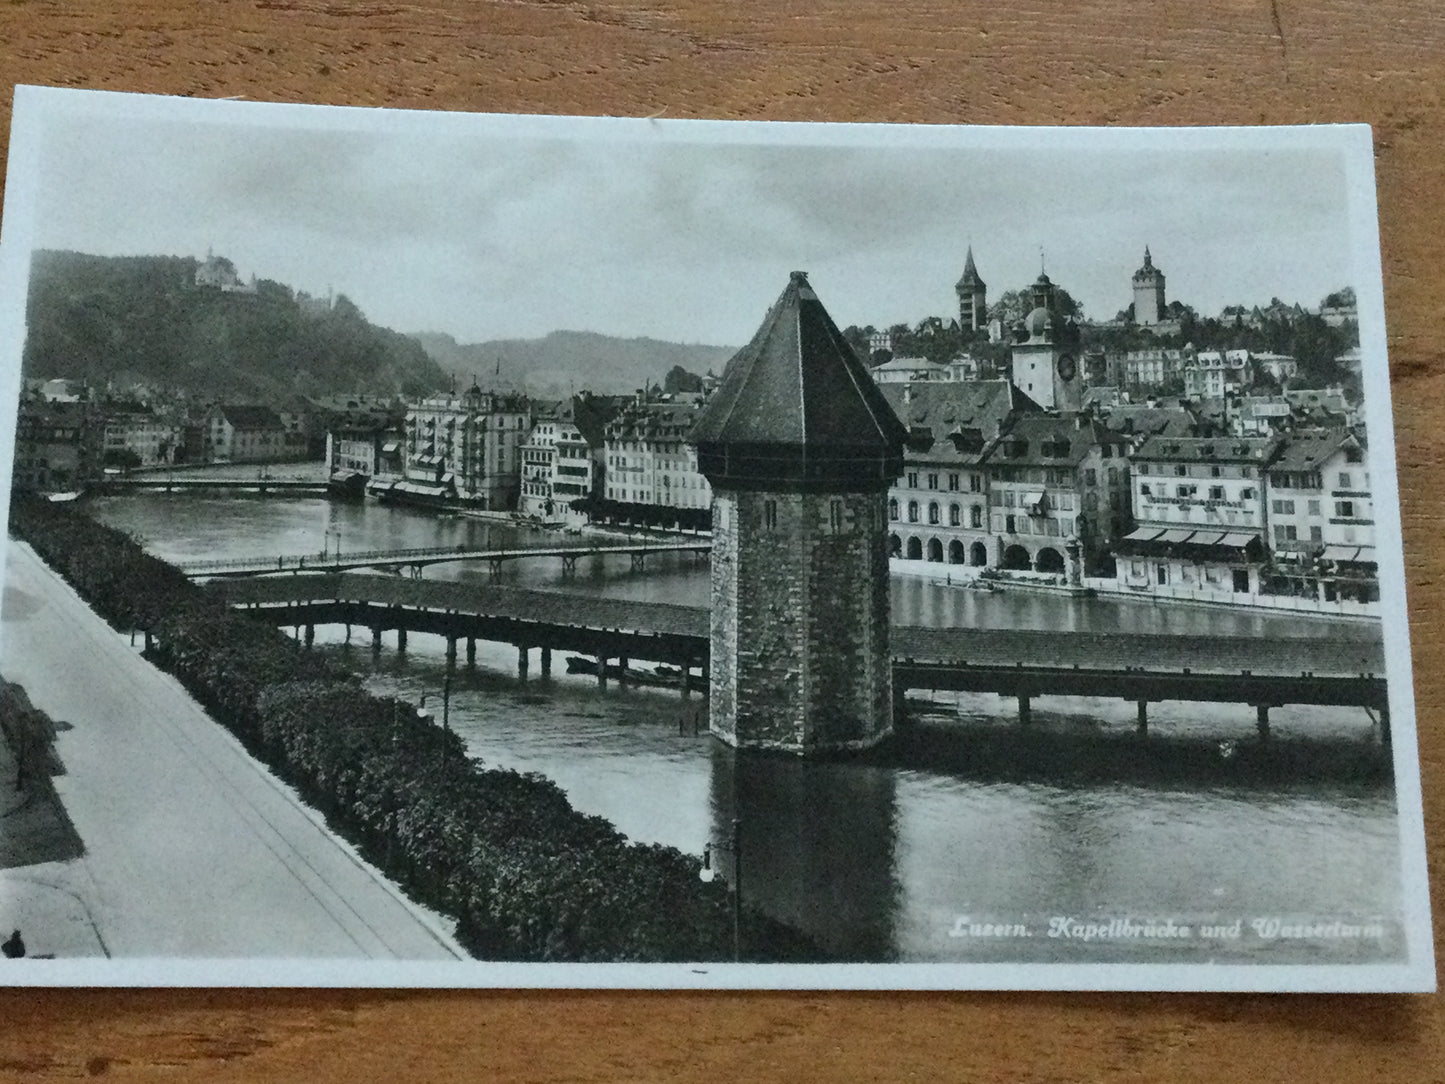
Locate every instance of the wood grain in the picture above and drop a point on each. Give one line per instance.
(1241, 62)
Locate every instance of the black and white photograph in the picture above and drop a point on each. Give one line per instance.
(475, 550)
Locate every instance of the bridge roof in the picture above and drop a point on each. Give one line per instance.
(798, 383)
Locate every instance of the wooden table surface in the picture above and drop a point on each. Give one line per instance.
(1144, 62)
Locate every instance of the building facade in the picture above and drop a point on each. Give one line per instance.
(1045, 355)
(1149, 307)
(972, 297)
(466, 447)
(649, 459)
(234, 433)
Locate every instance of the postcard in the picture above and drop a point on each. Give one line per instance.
(474, 550)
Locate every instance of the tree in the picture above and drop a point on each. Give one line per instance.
(679, 379)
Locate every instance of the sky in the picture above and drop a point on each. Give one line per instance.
(485, 234)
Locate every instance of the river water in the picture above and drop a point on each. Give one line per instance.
(973, 841)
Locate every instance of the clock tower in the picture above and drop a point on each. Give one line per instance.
(1046, 364)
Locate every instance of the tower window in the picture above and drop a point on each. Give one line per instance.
(770, 515)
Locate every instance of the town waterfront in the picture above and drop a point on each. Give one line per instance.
(881, 859)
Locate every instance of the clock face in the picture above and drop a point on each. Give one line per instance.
(1067, 367)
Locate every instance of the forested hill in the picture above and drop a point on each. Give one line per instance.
(566, 361)
(143, 319)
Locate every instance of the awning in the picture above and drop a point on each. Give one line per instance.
(1142, 534)
(1237, 541)
(1208, 538)
(391, 447)
(1033, 500)
(1349, 555)
(1176, 535)
(421, 489)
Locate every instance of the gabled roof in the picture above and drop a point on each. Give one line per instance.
(946, 420)
(799, 384)
(1222, 449)
(1306, 449)
(251, 417)
(1140, 420)
(1049, 440)
(970, 273)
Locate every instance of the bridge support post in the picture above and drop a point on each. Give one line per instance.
(1261, 720)
(400, 640)
(1025, 708)
(494, 571)
(900, 703)
(546, 662)
(376, 640)
(310, 635)
(639, 562)
(622, 671)
(523, 660)
(569, 566)
(602, 671)
(451, 651)
(348, 632)
(471, 651)
(1142, 727)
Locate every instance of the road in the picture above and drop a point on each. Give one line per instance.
(192, 849)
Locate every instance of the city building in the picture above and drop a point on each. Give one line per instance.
(1261, 415)
(1051, 480)
(1200, 514)
(539, 460)
(1045, 355)
(799, 447)
(904, 370)
(1140, 421)
(1155, 368)
(972, 297)
(218, 273)
(938, 507)
(242, 433)
(57, 446)
(648, 458)
(463, 448)
(363, 442)
(137, 436)
(1217, 373)
(1281, 367)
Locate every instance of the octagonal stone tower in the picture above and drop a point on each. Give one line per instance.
(800, 448)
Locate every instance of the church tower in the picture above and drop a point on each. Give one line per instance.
(972, 297)
(1148, 293)
(800, 448)
(1046, 353)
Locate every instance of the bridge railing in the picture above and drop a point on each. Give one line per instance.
(283, 562)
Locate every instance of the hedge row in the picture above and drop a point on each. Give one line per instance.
(525, 875)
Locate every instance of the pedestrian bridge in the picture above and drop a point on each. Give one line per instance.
(414, 560)
(1347, 669)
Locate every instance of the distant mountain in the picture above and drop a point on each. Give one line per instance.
(564, 361)
(144, 319)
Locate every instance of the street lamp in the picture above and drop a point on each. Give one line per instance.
(707, 874)
(425, 715)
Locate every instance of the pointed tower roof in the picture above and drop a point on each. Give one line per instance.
(970, 273)
(797, 405)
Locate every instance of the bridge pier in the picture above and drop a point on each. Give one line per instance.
(639, 562)
(348, 632)
(451, 651)
(310, 635)
(400, 640)
(1261, 721)
(523, 660)
(494, 571)
(1025, 708)
(471, 651)
(1143, 724)
(376, 640)
(622, 671)
(546, 662)
(602, 671)
(569, 566)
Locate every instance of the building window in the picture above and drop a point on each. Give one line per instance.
(770, 515)
(1314, 507)
(1345, 509)
(912, 511)
(954, 516)
(913, 479)
(975, 483)
(975, 516)
(1283, 508)
(933, 509)
(1216, 493)
(1247, 493)
(933, 481)
(953, 483)
(1144, 490)
(1317, 534)
(893, 508)
(1008, 525)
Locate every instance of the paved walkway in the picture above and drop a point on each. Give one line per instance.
(191, 848)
